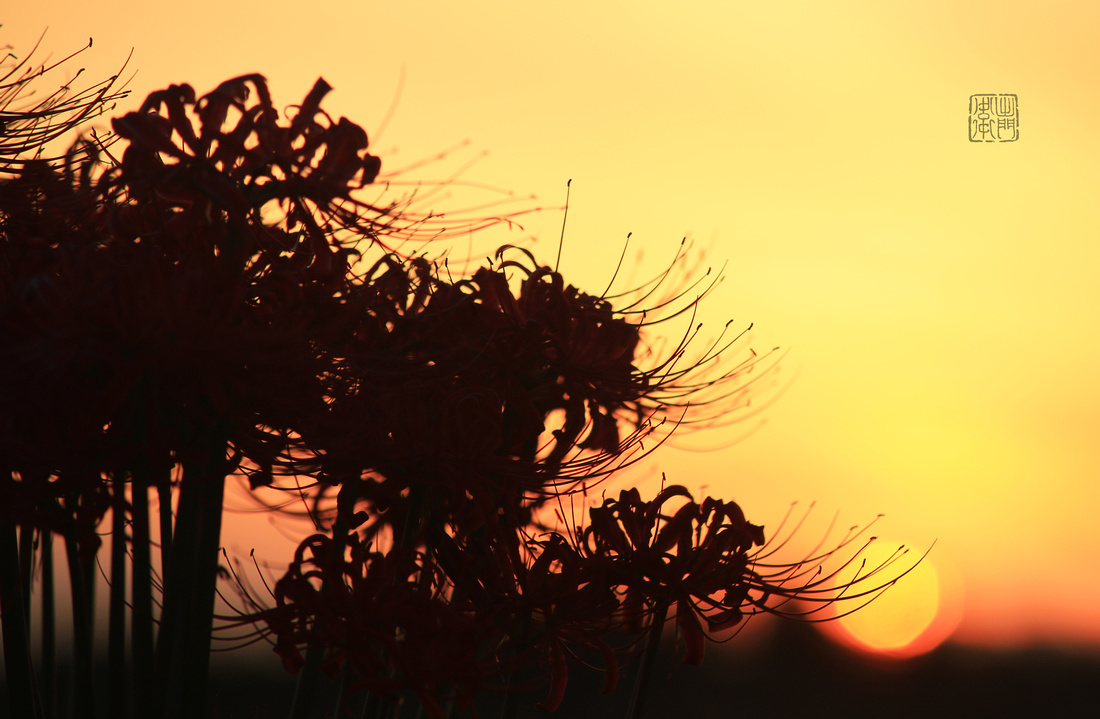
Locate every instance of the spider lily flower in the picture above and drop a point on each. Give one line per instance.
(384, 615)
(449, 385)
(545, 377)
(164, 301)
(714, 566)
(446, 627)
(685, 557)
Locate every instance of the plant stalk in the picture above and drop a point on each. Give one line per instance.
(183, 645)
(49, 637)
(22, 697)
(83, 614)
(116, 627)
(141, 601)
(645, 671)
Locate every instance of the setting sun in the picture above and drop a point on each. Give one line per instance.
(912, 617)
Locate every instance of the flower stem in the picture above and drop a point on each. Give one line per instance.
(141, 621)
(341, 692)
(13, 616)
(645, 671)
(376, 707)
(305, 688)
(163, 482)
(83, 613)
(183, 645)
(116, 627)
(48, 626)
(26, 561)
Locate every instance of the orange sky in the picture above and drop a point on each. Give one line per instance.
(937, 296)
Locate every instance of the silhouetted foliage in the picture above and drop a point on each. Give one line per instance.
(216, 300)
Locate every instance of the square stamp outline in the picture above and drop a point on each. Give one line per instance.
(993, 115)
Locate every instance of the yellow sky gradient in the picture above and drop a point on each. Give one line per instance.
(938, 298)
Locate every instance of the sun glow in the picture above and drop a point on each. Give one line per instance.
(910, 618)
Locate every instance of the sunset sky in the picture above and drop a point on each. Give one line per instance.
(936, 298)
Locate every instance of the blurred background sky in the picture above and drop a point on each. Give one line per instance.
(936, 297)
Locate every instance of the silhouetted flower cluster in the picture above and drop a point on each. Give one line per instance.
(217, 300)
(148, 307)
(458, 411)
